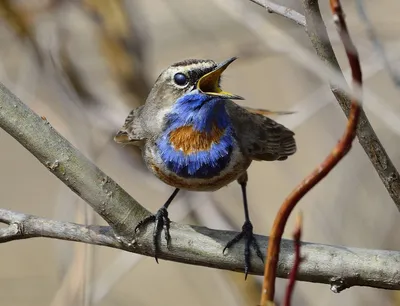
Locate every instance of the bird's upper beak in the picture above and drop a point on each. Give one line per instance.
(209, 83)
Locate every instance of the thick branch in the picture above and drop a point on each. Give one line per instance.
(340, 267)
(36, 134)
(389, 175)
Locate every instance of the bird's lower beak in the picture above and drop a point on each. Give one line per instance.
(209, 83)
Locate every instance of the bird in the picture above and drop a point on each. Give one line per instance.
(194, 137)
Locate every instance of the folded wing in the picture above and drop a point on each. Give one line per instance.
(131, 132)
(260, 137)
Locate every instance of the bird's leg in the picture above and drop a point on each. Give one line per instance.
(161, 221)
(247, 231)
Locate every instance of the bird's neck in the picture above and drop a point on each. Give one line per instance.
(203, 113)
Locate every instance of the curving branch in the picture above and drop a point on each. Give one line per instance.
(322, 170)
(340, 267)
(315, 27)
(367, 137)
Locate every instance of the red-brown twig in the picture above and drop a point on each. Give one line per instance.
(338, 152)
(297, 260)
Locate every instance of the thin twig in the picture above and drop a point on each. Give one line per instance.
(366, 135)
(339, 151)
(284, 11)
(297, 260)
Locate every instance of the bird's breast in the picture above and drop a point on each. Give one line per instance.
(190, 141)
(189, 153)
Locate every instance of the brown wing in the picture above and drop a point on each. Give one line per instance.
(260, 137)
(131, 132)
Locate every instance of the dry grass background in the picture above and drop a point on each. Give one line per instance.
(98, 59)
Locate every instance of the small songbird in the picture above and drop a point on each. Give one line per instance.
(194, 137)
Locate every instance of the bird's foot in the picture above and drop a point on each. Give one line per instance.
(250, 240)
(161, 221)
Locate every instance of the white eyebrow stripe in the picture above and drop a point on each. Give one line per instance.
(189, 67)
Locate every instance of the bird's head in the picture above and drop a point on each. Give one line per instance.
(189, 88)
(202, 76)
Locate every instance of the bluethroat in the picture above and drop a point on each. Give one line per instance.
(194, 137)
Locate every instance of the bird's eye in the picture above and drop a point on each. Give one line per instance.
(180, 79)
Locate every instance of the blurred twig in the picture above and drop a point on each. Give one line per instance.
(20, 21)
(266, 112)
(121, 44)
(338, 152)
(297, 260)
(284, 11)
(394, 75)
(367, 137)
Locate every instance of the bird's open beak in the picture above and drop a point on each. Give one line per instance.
(209, 83)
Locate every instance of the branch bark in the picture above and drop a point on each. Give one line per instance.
(341, 267)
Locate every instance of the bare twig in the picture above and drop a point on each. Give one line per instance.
(366, 135)
(338, 152)
(286, 12)
(338, 266)
(297, 260)
(394, 75)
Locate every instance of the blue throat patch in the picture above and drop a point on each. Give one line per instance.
(203, 129)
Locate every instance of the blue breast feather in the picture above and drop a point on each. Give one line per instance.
(201, 112)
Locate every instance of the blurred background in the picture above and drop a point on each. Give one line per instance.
(85, 64)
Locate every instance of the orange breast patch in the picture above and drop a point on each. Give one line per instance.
(188, 140)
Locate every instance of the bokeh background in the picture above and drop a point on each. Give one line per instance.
(84, 64)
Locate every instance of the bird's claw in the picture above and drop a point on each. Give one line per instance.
(161, 221)
(250, 240)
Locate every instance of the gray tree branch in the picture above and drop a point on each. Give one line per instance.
(340, 267)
